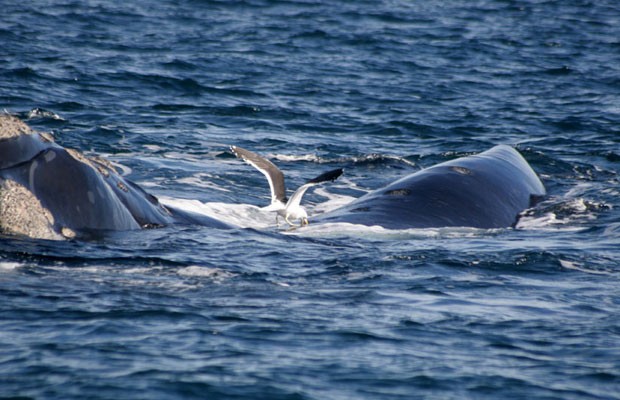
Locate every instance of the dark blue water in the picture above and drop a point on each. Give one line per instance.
(325, 312)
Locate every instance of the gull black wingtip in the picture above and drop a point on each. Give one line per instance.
(327, 176)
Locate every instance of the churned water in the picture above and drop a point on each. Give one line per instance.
(382, 89)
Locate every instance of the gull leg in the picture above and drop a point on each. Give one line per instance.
(289, 222)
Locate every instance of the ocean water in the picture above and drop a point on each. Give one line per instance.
(382, 89)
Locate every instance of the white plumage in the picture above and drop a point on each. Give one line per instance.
(291, 209)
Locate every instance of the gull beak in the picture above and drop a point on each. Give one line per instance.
(304, 221)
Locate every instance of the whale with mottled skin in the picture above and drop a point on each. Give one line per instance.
(49, 192)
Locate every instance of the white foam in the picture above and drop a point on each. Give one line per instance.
(301, 157)
(539, 222)
(40, 113)
(202, 180)
(9, 266)
(577, 267)
(333, 201)
(139, 270)
(251, 216)
(205, 272)
(573, 211)
(263, 218)
(316, 159)
(376, 232)
(241, 215)
(153, 147)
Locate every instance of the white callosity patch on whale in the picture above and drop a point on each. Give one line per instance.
(32, 220)
(11, 127)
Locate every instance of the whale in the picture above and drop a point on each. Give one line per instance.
(50, 192)
(486, 190)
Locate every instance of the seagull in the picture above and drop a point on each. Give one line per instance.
(289, 209)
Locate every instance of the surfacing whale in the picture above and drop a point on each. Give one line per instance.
(49, 192)
(487, 190)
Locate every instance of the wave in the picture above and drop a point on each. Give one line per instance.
(362, 160)
(42, 113)
(565, 213)
(215, 274)
(7, 266)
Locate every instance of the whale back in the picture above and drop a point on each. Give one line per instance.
(487, 190)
